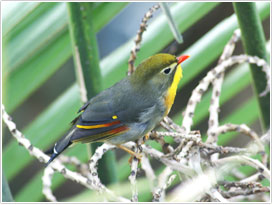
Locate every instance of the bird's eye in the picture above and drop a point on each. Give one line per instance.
(167, 70)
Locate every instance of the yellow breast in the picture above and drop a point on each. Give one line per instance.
(171, 93)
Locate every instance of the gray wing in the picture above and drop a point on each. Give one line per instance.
(109, 113)
(117, 101)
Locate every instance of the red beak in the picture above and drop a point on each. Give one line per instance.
(182, 58)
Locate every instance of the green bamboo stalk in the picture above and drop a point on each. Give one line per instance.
(254, 44)
(6, 194)
(42, 57)
(86, 59)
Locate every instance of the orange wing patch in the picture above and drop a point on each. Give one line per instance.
(102, 136)
(118, 130)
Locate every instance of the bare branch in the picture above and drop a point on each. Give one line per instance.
(217, 196)
(160, 156)
(138, 39)
(94, 179)
(254, 177)
(159, 193)
(248, 191)
(47, 181)
(193, 189)
(149, 172)
(245, 160)
(81, 167)
(230, 46)
(217, 86)
(172, 125)
(166, 147)
(133, 175)
(211, 75)
(241, 129)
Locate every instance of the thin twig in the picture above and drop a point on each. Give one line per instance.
(255, 177)
(149, 172)
(237, 192)
(215, 194)
(47, 182)
(193, 189)
(195, 139)
(138, 39)
(160, 156)
(245, 160)
(159, 193)
(81, 167)
(166, 147)
(133, 175)
(172, 125)
(217, 86)
(241, 129)
(211, 75)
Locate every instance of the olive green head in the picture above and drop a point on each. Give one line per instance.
(153, 66)
(156, 74)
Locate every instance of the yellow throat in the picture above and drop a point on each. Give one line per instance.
(171, 93)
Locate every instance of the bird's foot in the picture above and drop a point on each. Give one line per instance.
(136, 156)
(145, 138)
(132, 153)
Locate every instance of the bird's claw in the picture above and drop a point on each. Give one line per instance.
(136, 156)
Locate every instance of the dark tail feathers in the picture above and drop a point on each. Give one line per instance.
(59, 147)
(54, 154)
(52, 157)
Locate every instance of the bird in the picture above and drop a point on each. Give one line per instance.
(129, 109)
